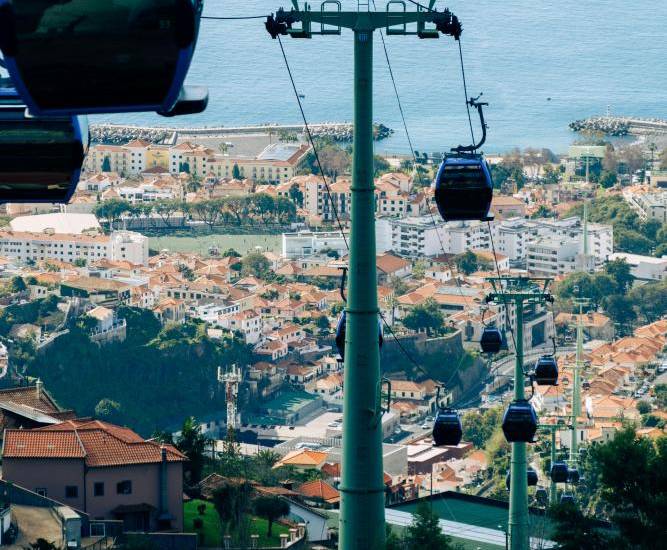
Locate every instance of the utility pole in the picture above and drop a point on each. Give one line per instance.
(362, 521)
(520, 291)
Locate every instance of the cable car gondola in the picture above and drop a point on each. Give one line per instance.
(531, 478)
(463, 185)
(89, 57)
(559, 472)
(546, 371)
(520, 422)
(573, 476)
(567, 498)
(40, 158)
(341, 330)
(447, 428)
(492, 340)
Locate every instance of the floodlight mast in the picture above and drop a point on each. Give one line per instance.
(362, 521)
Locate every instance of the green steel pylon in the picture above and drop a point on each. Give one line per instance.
(362, 522)
(519, 291)
(576, 382)
(552, 429)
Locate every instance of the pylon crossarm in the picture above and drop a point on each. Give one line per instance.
(394, 22)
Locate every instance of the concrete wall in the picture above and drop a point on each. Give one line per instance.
(145, 480)
(53, 475)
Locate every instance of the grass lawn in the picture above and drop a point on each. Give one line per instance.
(200, 243)
(211, 528)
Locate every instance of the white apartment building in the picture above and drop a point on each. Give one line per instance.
(646, 268)
(514, 237)
(550, 257)
(649, 206)
(120, 245)
(145, 193)
(416, 236)
(310, 243)
(429, 236)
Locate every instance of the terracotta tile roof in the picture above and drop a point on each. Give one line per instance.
(52, 444)
(302, 458)
(99, 443)
(319, 489)
(388, 263)
(28, 396)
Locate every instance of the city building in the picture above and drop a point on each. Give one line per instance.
(107, 471)
(309, 243)
(32, 246)
(645, 268)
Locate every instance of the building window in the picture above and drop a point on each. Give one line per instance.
(71, 491)
(124, 488)
(41, 491)
(98, 489)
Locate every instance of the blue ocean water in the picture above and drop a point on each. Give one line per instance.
(583, 54)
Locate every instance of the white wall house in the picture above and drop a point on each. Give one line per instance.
(120, 245)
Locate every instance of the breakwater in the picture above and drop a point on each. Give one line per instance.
(620, 126)
(115, 134)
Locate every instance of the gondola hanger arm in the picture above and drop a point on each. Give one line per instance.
(479, 105)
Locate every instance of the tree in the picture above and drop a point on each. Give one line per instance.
(232, 502)
(550, 174)
(236, 172)
(574, 531)
(334, 160)
(270, 508)
(17, 284)
(632, 473)
(296, 195)
(478, 427)
(426, 316)
(380, 165)
(466, 262)
(651, 300)
(166, 209)
(398, 285)
(112, 210)
(264, 205)
(620, 309)
(231, 253)
(620, 271)
(660, 391)
(425, 533)
(322, 322)
(192, 443)
(109, 410)
(418, 269)
(607, 179)
(644, 407)
(628, 240)
(543, 211)
(256, 265)
(106, 164)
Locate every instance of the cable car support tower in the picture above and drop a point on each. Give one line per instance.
(362, 522)
(519, 291)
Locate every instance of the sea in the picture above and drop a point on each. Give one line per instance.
(539, 64)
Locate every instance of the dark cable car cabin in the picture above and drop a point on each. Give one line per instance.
(573, 476)
(447, 429)
(531, 478)
(341, 330)
(89, 57)
(463, 188)
(40, 158)
(463, 185)
(546, 371)
(567, 498)
(520, 422)
(492, 340)
(559, 472)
